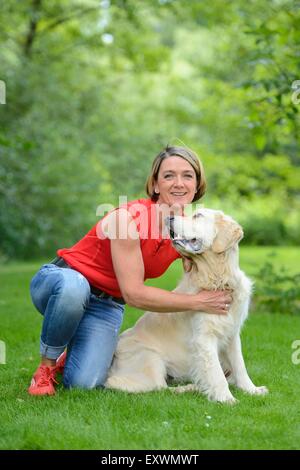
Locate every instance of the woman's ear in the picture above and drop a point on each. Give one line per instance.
(228, 233)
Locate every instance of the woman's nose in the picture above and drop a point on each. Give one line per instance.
(178, 181)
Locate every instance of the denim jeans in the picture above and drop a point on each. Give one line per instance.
(74, 318)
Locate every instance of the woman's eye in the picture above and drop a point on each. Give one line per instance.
(168, 176)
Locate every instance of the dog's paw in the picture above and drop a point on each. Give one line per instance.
(229, 401)
(184, 388)
(253, 390)
(226, 398)
(260, 390)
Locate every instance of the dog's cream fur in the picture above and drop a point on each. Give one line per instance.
(193, 346)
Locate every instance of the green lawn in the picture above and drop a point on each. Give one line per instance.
(159, 420)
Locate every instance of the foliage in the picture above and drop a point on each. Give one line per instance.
(277, 292)
(95, 89)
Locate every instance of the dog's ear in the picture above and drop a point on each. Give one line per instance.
(228, 233)
(187, 264)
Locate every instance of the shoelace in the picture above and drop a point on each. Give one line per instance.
(47, 375)
(61, 366)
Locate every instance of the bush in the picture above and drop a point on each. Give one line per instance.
(265, 231)
(277, 293)
(270, 219)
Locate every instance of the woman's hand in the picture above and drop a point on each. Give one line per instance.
(216, 301)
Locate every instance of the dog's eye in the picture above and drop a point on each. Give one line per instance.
(193, 240)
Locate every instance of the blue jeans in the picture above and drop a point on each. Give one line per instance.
(74, 318)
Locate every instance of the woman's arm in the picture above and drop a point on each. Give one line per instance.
(129, 268)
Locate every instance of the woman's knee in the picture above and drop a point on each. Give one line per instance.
(84, 381)
(39, 291)
(69, 288)
(87, 373)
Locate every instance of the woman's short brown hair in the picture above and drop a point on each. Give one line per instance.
(188, 155)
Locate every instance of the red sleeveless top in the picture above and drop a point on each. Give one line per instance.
(91, 256)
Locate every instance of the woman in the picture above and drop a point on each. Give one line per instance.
(82, 293)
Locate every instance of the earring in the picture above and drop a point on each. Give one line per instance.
(156, 192)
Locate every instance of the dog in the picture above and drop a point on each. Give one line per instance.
(197, 347)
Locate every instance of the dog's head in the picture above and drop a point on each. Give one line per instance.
(206, 230)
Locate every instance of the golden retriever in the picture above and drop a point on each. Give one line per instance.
(198, 347)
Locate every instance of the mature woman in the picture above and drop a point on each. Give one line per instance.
(82, 293)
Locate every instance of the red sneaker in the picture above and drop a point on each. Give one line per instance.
(60, 362)
(43, 381)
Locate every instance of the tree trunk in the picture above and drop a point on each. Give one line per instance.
(31, 34)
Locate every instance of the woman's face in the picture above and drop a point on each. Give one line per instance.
(176, 182)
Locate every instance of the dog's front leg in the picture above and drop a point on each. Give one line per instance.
(240, 376)
(207, 372)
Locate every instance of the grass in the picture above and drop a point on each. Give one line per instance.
(112, 420)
